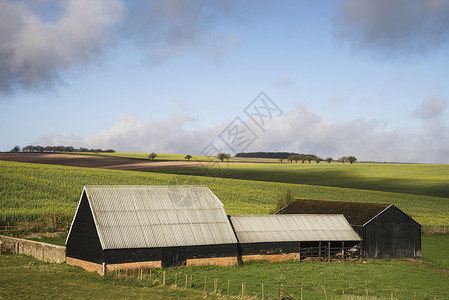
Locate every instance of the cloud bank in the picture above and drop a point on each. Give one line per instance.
(298, 130)
(394, 28)
(35, 48)
(41, 40)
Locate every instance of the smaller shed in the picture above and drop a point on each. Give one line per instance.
(387, 232)
(281, 237)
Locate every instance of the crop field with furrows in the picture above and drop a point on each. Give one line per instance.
(36, 192)
(179, 157)
(163, 157)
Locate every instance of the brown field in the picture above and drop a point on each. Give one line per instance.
(101, 162)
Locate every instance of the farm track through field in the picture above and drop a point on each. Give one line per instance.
(100, 162)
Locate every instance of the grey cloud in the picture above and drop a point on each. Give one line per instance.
(394, 28)
(40, 40)
(431, 108)
(173, 27)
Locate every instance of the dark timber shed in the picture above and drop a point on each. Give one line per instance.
(387, 232)
(281, 237)
(160, 226)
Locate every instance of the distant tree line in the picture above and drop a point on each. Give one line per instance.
(278, 155)
(32, 148)
(295, 157)
(309, 158)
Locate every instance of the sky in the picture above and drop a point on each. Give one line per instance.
(331, 78)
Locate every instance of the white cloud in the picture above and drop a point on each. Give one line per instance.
(38, 43)
(299, 130)
(394, 28)
(131, 134)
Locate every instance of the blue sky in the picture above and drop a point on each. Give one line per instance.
(364, 78)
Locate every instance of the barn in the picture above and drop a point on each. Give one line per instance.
(386, 231)
(281, 237)
(153, 226)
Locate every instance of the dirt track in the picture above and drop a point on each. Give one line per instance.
(100, 162)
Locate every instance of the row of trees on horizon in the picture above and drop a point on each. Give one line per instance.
(36, 149)
(303, 158)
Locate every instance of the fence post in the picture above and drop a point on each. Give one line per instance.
(280, 290)
(328, 251)
(319, 251)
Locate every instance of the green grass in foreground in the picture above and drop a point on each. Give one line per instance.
(403, 279)
(24, 277)
(416, 179)
(35, 192)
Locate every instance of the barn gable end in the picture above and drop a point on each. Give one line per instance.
(83, 241)
(392, 234)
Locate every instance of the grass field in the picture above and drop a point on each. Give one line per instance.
(36, 192)
(30, 278)
(416, 179)
(39, 193)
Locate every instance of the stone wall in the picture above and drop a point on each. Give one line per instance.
(41, 251)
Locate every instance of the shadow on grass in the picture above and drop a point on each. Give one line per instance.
(331, 178)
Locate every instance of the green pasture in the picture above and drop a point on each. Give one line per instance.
(38, 192)
(416, 179)
(406, 279)
(24, 277)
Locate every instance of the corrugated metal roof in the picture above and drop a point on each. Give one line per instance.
(357, 213)
(158, 216)
(288, 228)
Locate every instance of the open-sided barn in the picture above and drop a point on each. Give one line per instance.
(156, 226)
(387, 232)
(280, 237)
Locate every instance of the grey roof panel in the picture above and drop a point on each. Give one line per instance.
(158, 216)
(287, 228)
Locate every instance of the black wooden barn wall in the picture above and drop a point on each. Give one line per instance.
(392, 234)
(84, 242)
(169, 256)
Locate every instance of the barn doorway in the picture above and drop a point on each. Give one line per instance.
(173, 257)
